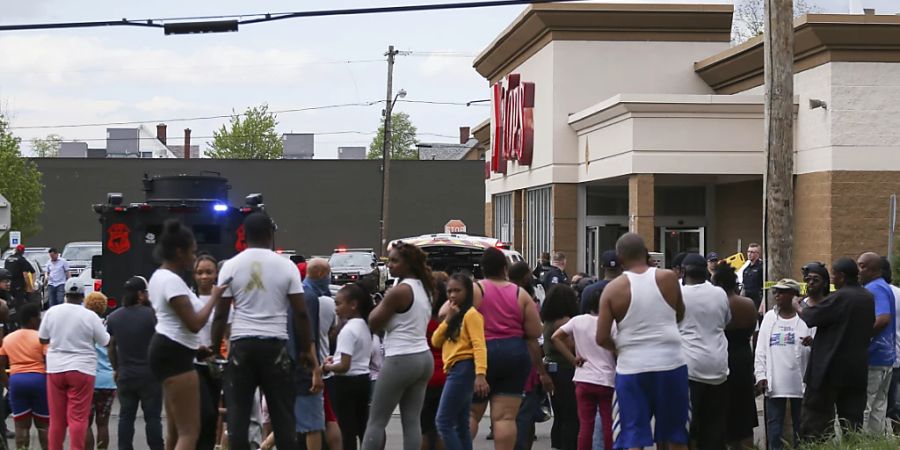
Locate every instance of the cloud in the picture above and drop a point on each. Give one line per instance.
(67, 61)
(163, 104)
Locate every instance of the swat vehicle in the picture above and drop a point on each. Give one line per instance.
(130, 230)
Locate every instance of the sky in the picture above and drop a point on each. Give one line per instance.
(99, 75)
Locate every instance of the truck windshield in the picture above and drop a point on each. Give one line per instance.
(81, 252)
(339, 260)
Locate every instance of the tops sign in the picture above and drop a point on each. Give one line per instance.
(513, 123)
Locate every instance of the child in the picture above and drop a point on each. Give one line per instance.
(595, 373)
(781, 361)
(27, 381)
(350, 363)
(461, 336)
(104, 384)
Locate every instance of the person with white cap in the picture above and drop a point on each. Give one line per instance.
(71, 331)
(781, 360)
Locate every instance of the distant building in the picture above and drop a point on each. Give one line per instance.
(352, 152)
(299, 145)
(138, 142)
(467, 149)
(178, 151)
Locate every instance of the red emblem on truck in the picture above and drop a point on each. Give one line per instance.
(240, 244)
(119, 241)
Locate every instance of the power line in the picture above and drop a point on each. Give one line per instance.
(271, 17)
(315, 133)
(228, 116)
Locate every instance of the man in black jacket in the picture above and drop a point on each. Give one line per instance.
(837, 372)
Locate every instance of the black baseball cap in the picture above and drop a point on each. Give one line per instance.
(136, 284)
(609, 259)
(712, 257)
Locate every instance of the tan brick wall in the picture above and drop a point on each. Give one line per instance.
(738, 216)
(641, 212)
(859, 211)
(489, 219)
(565, 223)
(813, 235)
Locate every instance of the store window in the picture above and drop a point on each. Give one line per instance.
(607, 200)
(503, 214)
(538, 221)
(680, 200)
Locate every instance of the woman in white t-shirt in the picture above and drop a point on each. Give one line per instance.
(595, 372)
(408, 364)
(781, 360)
(350, 363)
(180, 316)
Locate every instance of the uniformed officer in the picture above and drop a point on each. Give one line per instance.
(557, 272)
(752, 275)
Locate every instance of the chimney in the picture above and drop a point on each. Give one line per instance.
(161, 133)
(187, 143)
(464, 133)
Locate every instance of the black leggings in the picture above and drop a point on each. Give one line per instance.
(210, 393)
(564, 432)
(351, 405)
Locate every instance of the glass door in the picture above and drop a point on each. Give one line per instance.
(592, 251)
(677, 240)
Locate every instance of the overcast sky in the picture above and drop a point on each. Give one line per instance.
(104, 75)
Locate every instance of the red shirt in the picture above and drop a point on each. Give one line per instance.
(302, 268)
(439, 377)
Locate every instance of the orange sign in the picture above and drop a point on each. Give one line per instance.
(455, 226)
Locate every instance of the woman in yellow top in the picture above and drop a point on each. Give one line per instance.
(461, 336)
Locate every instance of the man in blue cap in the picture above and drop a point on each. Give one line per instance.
(611, 267)
(712, 260)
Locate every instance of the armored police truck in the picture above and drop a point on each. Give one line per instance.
(130, 230)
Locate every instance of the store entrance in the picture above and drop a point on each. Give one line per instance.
(677, 240)
(599, 239)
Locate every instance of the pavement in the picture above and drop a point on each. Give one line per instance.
(394, 433)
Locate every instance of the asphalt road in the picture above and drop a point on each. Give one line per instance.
(394, 433)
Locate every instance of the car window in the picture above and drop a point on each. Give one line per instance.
(81, 252)
(350, 260)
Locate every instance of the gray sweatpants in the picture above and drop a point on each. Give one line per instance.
(402, 381)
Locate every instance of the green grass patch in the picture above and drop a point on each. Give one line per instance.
(856, 442)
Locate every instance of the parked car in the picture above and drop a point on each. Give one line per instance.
(357, 265)
(79, 255)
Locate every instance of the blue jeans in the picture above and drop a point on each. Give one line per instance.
(149, 395)
(56, 295)
(452, 419)
(529, 414)
(776, 411)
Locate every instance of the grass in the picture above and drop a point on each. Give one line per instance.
(856, 442)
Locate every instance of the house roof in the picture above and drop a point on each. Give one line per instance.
(440, 151)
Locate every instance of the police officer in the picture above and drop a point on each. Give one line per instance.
(557, 272)
(752, 275)
(18, 266)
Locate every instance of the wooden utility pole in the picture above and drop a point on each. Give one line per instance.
(779, 125)
(386, 150)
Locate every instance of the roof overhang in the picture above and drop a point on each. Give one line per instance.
(542, 23)
(818, 39)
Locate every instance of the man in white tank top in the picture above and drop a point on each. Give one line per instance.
(706, 351)
(651, 373)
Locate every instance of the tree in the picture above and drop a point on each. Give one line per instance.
(403, 139)
(47, 147)
(250, 135)
(750, 18)
(20, 183)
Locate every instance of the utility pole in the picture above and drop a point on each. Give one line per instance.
(779, 126)
(386, 150)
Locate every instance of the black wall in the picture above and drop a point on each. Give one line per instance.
(318, 205)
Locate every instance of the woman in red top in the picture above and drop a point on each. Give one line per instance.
(430, 438)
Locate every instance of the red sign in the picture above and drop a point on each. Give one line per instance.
(513, 123)
(119, 241)
(240, 243)
(455, 226)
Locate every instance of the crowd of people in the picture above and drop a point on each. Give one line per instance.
(252, 353)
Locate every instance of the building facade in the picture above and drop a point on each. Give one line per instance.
(610, 118)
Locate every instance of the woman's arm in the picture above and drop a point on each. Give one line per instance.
(398, 298)
(561, 340)
(195, 321)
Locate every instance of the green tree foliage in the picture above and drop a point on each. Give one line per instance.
(47, 147)
(20, 183)
(403, 139)
(250, 135)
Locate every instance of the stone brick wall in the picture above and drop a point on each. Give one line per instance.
(565, 224)
(813, 234)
